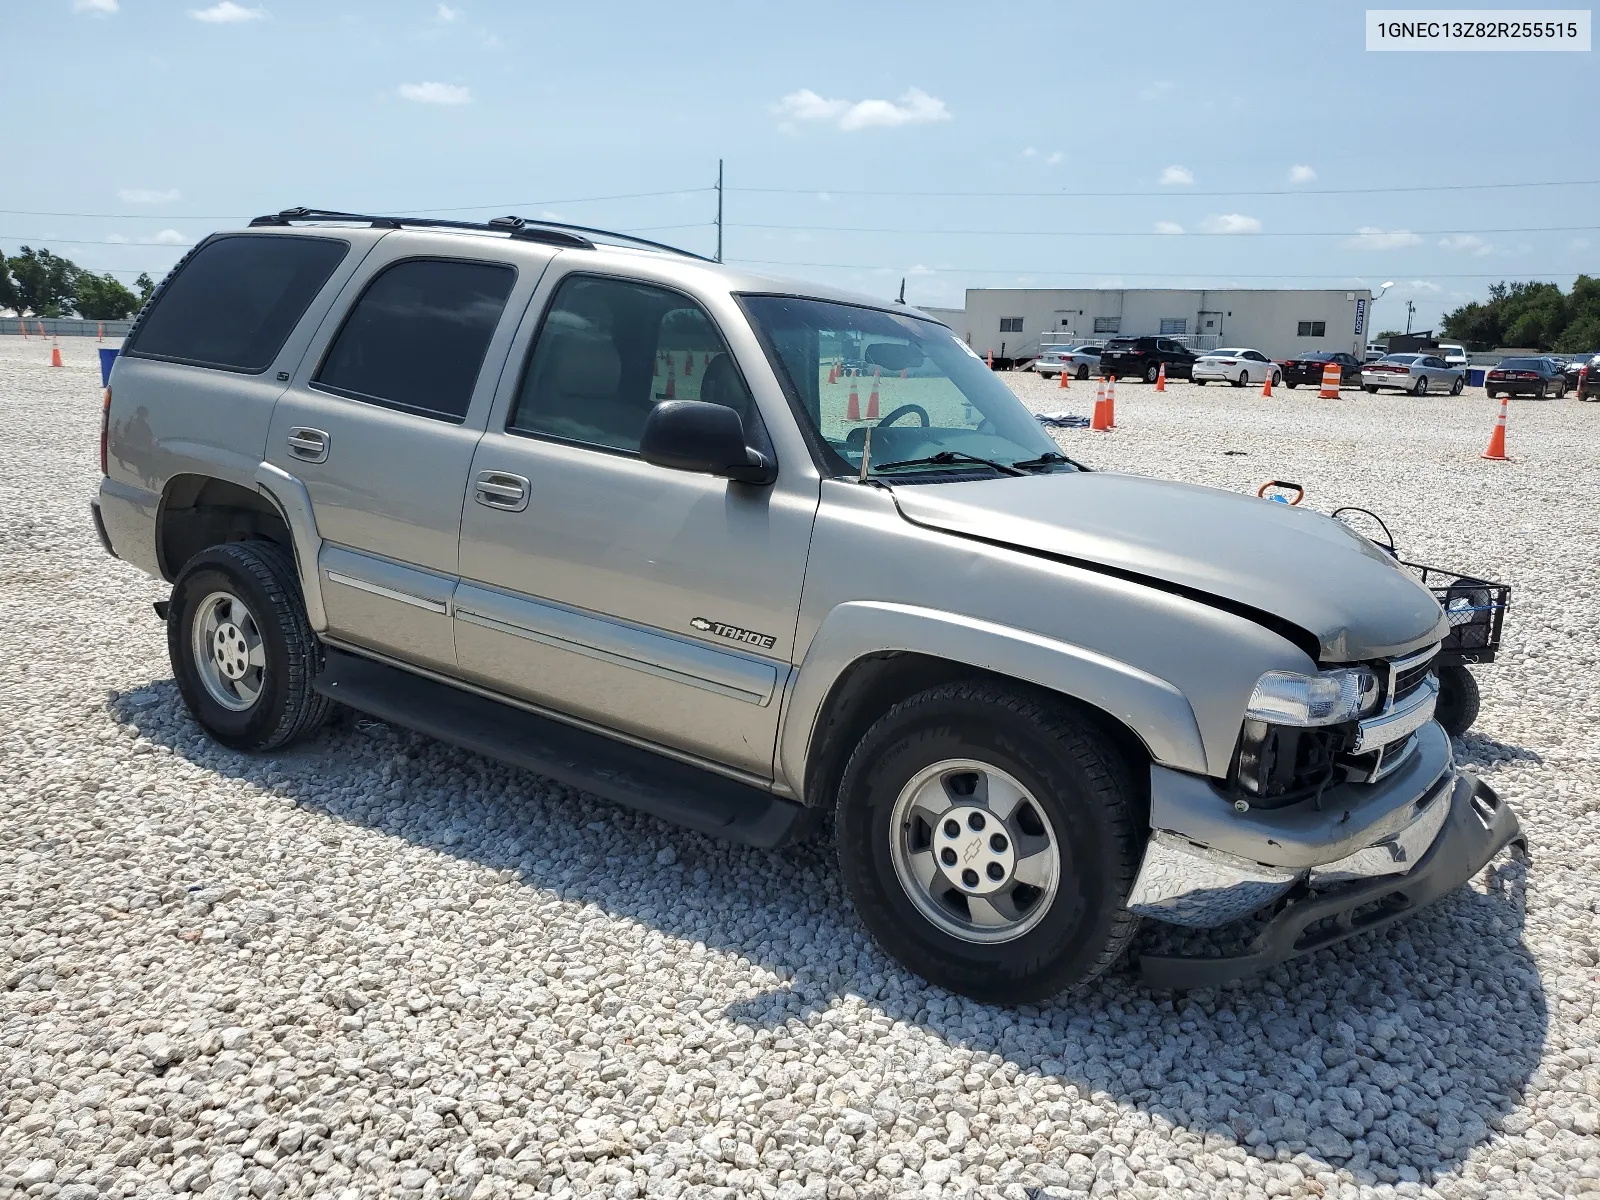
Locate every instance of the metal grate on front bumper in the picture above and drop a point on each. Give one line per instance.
(1385, 740)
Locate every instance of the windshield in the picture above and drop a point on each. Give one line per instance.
(1523, 364)
(1317, 356)
(1405, 359)
(933, 394)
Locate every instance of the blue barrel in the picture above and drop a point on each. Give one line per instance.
(1474, 375)
(107, 357)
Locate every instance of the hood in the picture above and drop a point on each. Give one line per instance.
(1277, 564)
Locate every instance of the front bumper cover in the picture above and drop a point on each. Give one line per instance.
(1476, 826)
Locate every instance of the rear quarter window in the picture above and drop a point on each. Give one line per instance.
(233, 304)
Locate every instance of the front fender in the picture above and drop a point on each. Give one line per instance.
(1154, 709)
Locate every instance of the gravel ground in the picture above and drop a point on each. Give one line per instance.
(380, 966)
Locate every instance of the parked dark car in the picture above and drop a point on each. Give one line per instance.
(1307, 368)
(1576, 363)
(1526, 377)
(1142, 357)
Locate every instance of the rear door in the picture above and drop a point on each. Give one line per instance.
(380, 423)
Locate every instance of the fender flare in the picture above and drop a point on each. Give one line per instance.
(1156, 711)
(293, 502)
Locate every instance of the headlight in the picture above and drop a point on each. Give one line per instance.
(1328, 698)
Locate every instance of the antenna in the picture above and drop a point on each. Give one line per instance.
(866, 453)
(719, 210)
(902, 297)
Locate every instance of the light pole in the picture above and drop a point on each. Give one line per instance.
(1372, 311)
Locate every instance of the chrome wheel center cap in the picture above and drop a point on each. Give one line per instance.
(229, 652)
(973, 850)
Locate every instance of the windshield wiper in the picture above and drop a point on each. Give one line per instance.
(1048, 458)
(945, 458)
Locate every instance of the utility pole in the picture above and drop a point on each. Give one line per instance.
(719, 210)
(1411, 307)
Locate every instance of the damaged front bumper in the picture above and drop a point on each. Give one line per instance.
(1351, 866)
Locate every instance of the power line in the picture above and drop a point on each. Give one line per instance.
(1350, 233)
(1030, 271)
(404, 212)
(1168, 193)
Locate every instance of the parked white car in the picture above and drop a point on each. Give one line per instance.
(1238, 365)
(1374, 352)
(1078, 361)
(1415, 373)
(1454, 356)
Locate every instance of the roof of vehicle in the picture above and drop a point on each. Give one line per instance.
(578, 239)
(1228, 350)
(1322, 355)
(1403, 358)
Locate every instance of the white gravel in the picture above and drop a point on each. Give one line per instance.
(380, 966)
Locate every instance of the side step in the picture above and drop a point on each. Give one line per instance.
(652, 783)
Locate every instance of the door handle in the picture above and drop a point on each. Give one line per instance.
(500, 489)
(308, 444)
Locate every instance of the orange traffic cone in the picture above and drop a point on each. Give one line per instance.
(42, 333)
(903, 372)
(1111, 403)
(100, 333)
(989, 358)
(1266, 385)
(833, 372)
(872, 400)
(1098, 423)
(1161, 378)
(853, 411)
(1497, 439)
(1062, 381)
(23, 326)
(1330, 382)
(688, 364)
(672, 380)
(55, 355)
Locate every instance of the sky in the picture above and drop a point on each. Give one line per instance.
(954, 146)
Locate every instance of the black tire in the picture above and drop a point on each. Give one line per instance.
(1197, 382)
(263, 576)
(1371, 387)
(1277, 379)
(1458, 699)
(1457, 387)
(1150, 373)
(1083, 787)
(1083, 371)
(1291, 384)
(1422, 386)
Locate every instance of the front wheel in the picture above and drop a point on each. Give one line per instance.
(1455, 388)
(243, 654)
(1277, 379)
(1458, 702)
(986, 838)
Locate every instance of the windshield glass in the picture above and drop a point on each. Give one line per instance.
(1403, 359)
(933, 394)
(1523, 364)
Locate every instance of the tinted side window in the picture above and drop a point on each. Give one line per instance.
(609, 350)
(236, 300)
(416, 339)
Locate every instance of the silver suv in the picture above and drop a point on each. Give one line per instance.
(746, 554)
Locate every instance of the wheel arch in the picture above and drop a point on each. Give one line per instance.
(868, 656)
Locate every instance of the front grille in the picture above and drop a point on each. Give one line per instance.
(1410, 678)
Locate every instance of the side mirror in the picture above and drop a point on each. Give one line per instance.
(691, 435)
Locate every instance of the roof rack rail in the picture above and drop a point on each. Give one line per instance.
(522, 228)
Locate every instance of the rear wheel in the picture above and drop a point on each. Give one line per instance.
(1198, 382)
(986, 838)
(1371, 387)
(1422, 387)
(1244, 378)
(1151, 372)
(1458, 702)
(242, 651)
(1293, 384)
(1083, 371)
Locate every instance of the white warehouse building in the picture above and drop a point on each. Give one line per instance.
(1013, 323)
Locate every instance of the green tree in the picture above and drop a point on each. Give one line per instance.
(146, 286)
(1531, 314)
(43, 282)
(102, 298)
(8, 289)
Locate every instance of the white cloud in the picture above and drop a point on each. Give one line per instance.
(915, 107)
(1176, 175)
(1424, 285)
(1156, 90)
(1370, 237)
(147, 195)
(1230, 223)
(1168, 227)
(226, 12)
(1030, 152)
(825, 197)
(919, 269)
(435, 93)
(1467, 241)
(1300, 173)
(103, 8)
(1055, 159)
(167, 237)
(448, 14)
(116, 238)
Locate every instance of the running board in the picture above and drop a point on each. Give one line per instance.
(652, 783)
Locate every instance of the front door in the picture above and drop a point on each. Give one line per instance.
(380, 424)
(660, 604)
